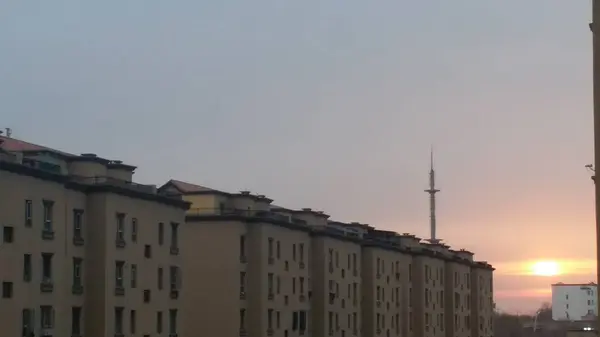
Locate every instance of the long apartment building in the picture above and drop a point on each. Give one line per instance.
(265, 270)
(85, 251)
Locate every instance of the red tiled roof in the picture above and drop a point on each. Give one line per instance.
(16, 145)
(187, 187)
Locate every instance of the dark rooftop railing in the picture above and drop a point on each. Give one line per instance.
(227, 211)
(102, 180)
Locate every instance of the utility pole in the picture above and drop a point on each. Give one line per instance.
(432, 191)
(596, 91)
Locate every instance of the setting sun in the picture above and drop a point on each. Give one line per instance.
(545, 268)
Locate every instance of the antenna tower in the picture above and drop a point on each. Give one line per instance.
(432, 191)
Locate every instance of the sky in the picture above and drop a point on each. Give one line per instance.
(333, 105)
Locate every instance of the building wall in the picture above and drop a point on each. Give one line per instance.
(482, 302)
(336, 287)
(572, 302)
(385, 292)
(61, 293)
(428, 294)
(458, 299)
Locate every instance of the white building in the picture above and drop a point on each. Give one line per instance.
(574, 302)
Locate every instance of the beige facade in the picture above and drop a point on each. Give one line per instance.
(359, 281)
(482, 300)
(336, 284)
(85, 251)
(458, 295)
(386, 290)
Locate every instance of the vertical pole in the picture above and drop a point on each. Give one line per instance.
(596, 99)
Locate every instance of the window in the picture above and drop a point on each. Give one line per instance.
(270, 248)
(47, 267)
(173, 321)
(243, 248)
(147, 296)
(48, 214)
(174, 278)
(76, 321)
(7, 289)
(119, 320)
(27, 322)
(28, 212)
(27, 267)
(134, 229)
(119, 268)
(8, 234)
(270, 319)
(294, 252)
(161, 233)
(242, 283)
(160, 278)
(133, 276)
(278, 284)
(159, 322)
(302, 320)
(270, 283)
(78, 224)
(77, 265)
(47, 316)
(132, 321)
(301, 285)
(174, 235)
(278, 250)
(301, 248)
(120, 227)
(277, 319)
(148, 251)
(242, 319)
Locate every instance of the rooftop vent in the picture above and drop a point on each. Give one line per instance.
(354, 223)
(307, 209)
(117, 162)
(261, 196)
(89, 155)
(245, 192)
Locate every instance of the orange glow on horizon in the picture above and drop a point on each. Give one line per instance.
(546, 268)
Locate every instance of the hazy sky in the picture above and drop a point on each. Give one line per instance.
(332, 105)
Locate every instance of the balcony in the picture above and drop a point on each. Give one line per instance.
(77, 289)
(242, 295)
(302, 298)
(271, 260)
(47, 234)
(355, 273)
(120, 242)
(174, 250)
(270, 297)
(331, 268)
(302, 265)
(46, 286)
(119, 290)
(174, 294)
(243, 259)
(269, 332)
(378, 304)
(243, 332)
(78, 241)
